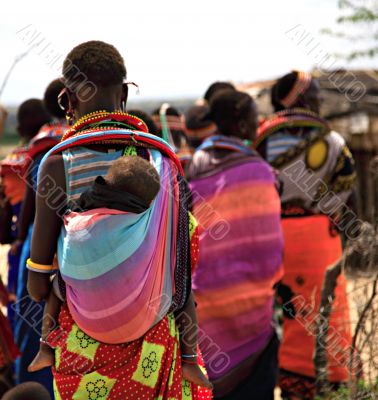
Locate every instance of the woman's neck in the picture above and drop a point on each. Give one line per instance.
(105, 98)
(98, 107)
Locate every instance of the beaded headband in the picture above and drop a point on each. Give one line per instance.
(202, 133)
(301, 84)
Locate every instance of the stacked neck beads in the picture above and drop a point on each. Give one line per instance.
(102, 115)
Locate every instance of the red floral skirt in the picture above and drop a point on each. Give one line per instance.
(147, 368)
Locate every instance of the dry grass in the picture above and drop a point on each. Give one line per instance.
(359, 292)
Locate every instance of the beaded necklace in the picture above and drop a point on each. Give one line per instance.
(294, 117)
(94, 119)
(291, 118)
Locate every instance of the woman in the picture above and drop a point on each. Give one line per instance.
(27, 333)
(237, 206)
(31, 116)
(148, 367)
(317, 175)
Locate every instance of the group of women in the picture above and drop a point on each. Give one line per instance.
(237, 229)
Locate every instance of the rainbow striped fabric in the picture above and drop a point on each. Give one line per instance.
(119, 267)
(237, 270)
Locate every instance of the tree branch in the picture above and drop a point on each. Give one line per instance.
(325, 309)
(360, 324)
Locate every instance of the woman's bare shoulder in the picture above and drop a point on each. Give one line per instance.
(53, 168)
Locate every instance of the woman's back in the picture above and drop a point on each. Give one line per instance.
(235, 275)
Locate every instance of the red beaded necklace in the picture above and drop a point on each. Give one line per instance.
(85, 123)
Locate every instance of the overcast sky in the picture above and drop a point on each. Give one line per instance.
(172, 48)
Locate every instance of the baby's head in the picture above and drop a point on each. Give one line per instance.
(134, 175)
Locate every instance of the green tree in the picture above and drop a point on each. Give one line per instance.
(358, 24)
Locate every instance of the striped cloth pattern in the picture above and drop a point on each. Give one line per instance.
(235, 276)
(280, 143)
(82, 166)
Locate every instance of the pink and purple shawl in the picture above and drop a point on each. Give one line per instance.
(238, 263)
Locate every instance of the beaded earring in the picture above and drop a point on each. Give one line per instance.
(64, 104)
(70, 116)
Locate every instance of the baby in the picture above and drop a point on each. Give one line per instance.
(130, 185)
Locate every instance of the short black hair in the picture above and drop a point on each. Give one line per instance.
(281, 89)
(134, 175)
(147, 119)
(95, 61)
(50, 98)
(228, 107)
(196, 117)
(31, 116)
(216, 87)
(29, 391)
(198, 125)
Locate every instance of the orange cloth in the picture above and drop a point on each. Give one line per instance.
(309, 250)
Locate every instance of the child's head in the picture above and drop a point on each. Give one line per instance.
(134, 175)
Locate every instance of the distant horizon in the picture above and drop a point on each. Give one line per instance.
(135, 98)
(13, 107)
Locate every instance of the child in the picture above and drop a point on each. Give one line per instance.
(118, 191)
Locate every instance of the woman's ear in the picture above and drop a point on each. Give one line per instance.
(72, 100)
(73, 104)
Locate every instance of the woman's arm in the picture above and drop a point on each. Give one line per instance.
(50, 201)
